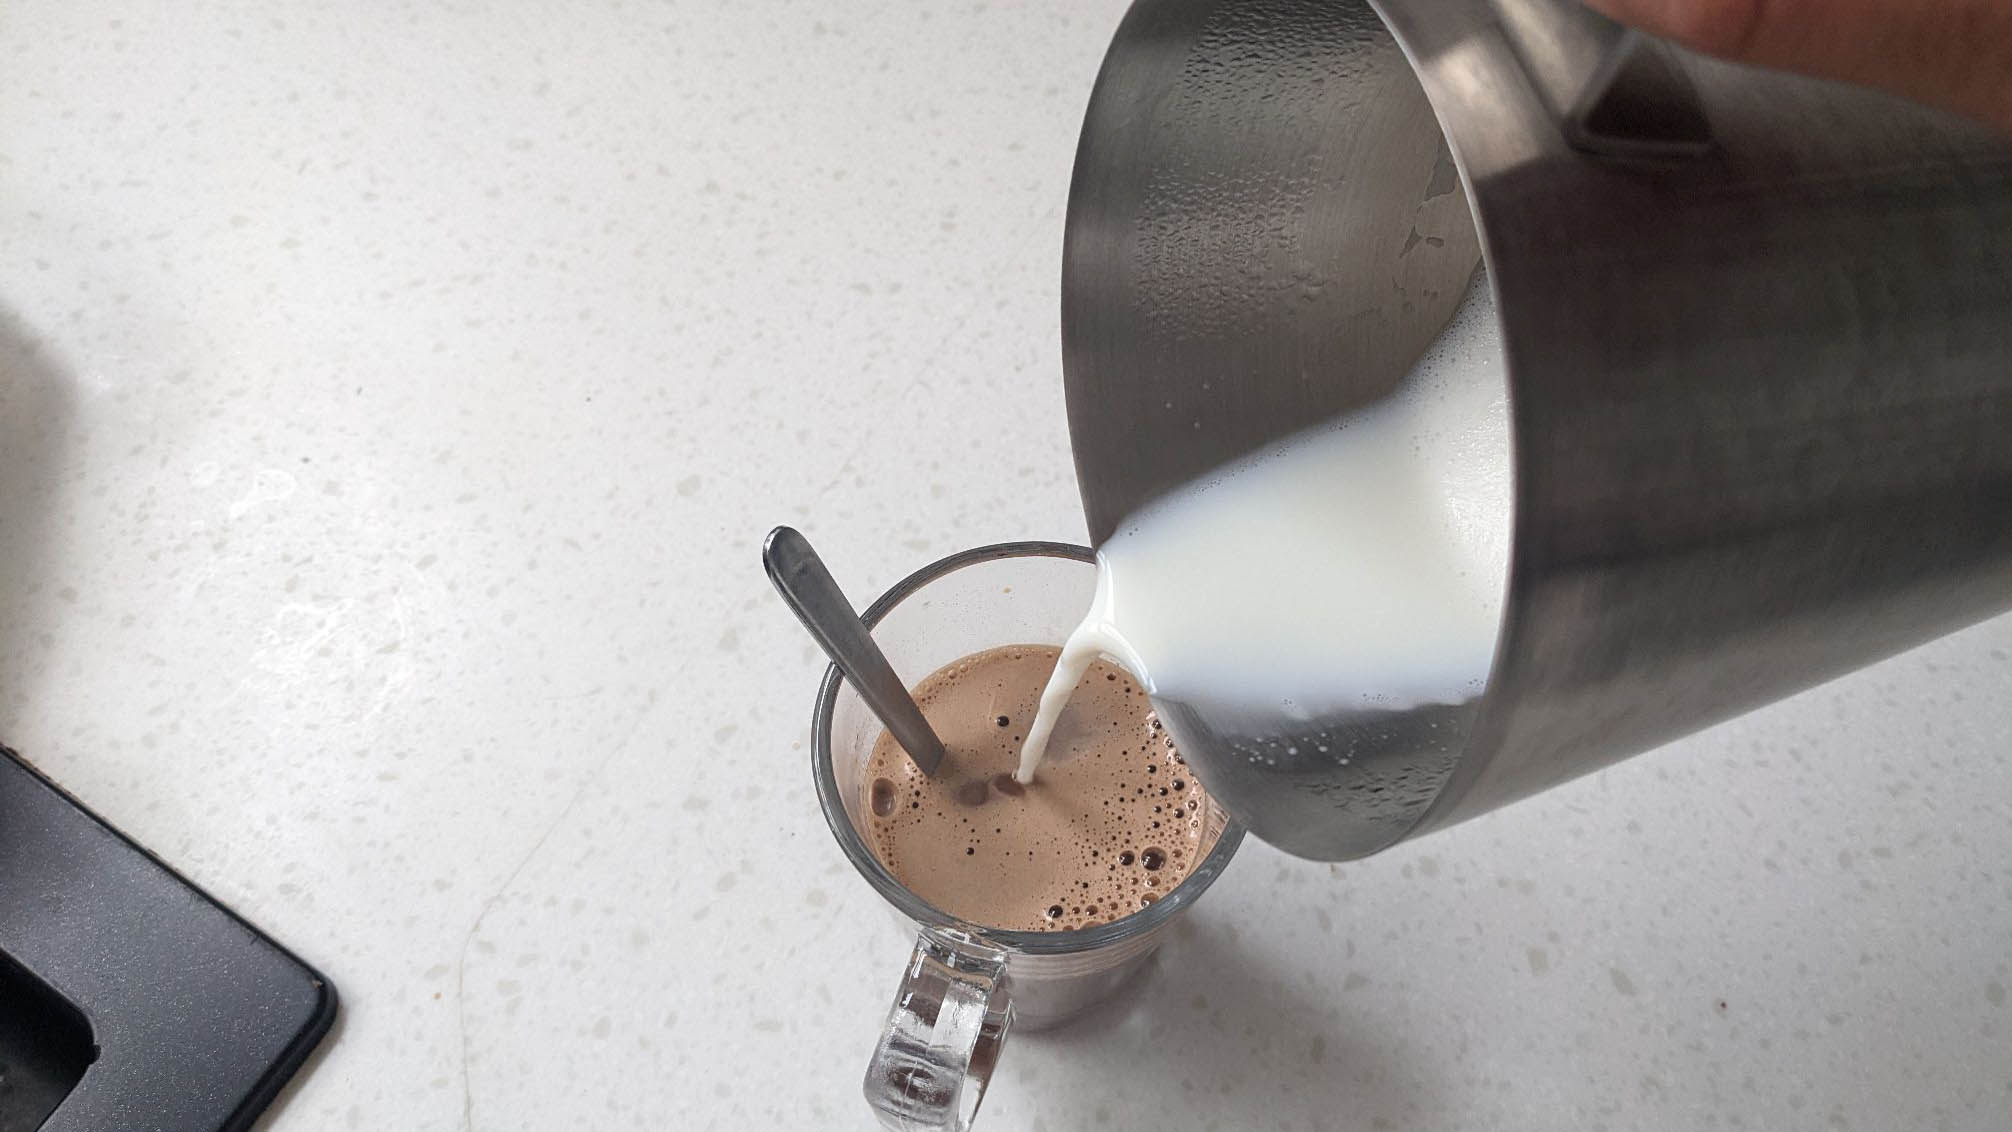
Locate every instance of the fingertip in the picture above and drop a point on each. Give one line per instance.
(1715, 27)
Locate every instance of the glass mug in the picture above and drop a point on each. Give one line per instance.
(967, 984)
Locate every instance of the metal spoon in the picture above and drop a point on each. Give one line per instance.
(799, 575)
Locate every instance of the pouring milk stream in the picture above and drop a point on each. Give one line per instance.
(1359, 564)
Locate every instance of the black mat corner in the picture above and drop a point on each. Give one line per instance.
(129, 998)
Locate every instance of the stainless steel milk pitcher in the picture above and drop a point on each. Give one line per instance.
(1758, 331)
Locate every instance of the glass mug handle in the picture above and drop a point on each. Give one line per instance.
(943, 1036)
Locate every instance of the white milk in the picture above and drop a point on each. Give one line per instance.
(1358, 564)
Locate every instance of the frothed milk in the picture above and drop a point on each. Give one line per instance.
(1357, 565)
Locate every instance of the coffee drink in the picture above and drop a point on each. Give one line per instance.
(1112, 821)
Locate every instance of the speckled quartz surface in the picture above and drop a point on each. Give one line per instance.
(394, 397)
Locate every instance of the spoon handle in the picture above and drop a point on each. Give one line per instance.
(800, 576)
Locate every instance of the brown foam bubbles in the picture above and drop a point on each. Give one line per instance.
(1111, 823)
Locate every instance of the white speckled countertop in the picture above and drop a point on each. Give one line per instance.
(394, 397)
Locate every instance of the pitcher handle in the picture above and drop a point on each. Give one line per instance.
(1615, 92)
(943, 1036)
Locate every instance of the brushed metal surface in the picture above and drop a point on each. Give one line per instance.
(1761, 396)
(1235, 267)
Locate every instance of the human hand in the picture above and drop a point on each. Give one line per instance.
(1951, 53)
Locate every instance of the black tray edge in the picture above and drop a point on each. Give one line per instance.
(327, 1001)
